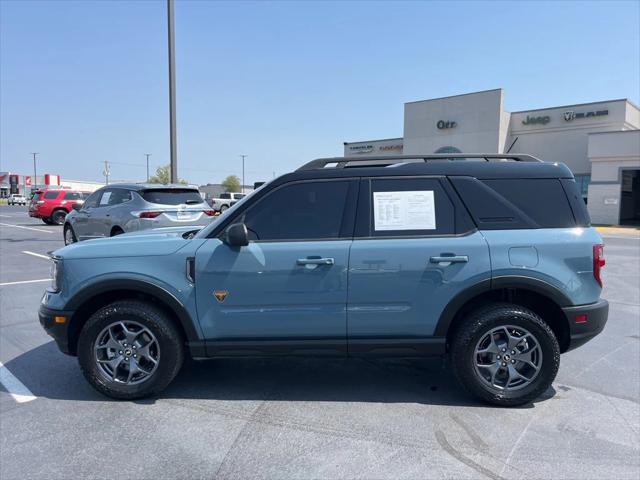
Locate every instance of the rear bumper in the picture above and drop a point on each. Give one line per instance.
(585, 322)
(59, 331)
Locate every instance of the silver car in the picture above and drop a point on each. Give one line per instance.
(122, 208)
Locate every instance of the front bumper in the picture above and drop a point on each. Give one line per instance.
(585, 322)
(59, 331)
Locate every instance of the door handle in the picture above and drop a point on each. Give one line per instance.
(315, 261)
(450, 259)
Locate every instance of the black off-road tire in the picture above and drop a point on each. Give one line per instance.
(477, 324)
(172, 349)
(48, 221)
(57, 217)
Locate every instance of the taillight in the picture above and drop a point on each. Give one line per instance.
(149, 214)
(209, 213)
(598, 261)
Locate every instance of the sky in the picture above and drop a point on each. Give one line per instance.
(83, 82)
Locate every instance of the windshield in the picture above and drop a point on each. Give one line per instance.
(172, 196)
(204, 233)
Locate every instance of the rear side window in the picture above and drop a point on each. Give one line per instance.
(119, 196)
(300, 211)
(403, 207)
(51, 195)
(172, 196)
(225, 195)
(516, 203)
(73, 196)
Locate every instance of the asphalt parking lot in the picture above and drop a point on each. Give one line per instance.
(321, 419)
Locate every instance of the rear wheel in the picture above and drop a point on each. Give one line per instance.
(130, 349)
(47, 221)
(505, 354)
(223, 208)
(116, 231)
(57, 217)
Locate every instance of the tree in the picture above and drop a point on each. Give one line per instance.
(231, 183)
(163, 175)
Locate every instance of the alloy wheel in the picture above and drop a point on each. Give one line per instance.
(127, 352)
(507, 358)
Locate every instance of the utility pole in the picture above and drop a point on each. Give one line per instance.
(172, 95)
(243, 157)
(34, 183)
(106, 172)
(147, 155)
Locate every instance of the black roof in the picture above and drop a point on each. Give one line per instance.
(483, 166)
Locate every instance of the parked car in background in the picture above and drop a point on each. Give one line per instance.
(225, 200)
(398, 256)
(16, 199)
(52, 206)
(123, 208)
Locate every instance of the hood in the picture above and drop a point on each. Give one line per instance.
(159, 241)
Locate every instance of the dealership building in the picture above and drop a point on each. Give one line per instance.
(598, 141)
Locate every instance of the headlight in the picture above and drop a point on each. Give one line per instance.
(56, 274)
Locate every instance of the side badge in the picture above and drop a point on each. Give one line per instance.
(220, 295)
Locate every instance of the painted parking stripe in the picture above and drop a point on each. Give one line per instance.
(27, 228)
(25, 281)
(39, 255)
(15, 387)
(5, 216)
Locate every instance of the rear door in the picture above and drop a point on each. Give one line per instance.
(414, 250)
(286, 291)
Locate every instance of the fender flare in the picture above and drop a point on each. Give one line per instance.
(138, 285)
(533, 284)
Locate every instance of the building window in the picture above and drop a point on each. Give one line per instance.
(583, 185)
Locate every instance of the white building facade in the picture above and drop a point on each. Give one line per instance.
(598, 141)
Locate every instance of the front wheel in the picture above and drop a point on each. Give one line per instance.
(130, 349)
(69, 235)
(505, 354)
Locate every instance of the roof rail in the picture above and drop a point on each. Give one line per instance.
(380, 161)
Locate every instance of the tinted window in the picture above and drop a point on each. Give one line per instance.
(119, 196)
(309, 210)
(73, 196)
(418, 206)
(51, 195)
(92, 201)
(225, 195)
(172, 196)
(543, 200)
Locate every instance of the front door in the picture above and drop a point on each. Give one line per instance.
(409, 260)
(286, 292)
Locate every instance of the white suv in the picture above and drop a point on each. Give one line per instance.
(17, 199)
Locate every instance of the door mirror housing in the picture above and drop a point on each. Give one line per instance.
(77, 206)
(236, 235)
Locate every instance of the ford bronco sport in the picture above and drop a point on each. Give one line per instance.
(490, 260)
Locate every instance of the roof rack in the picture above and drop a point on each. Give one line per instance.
(382, 161)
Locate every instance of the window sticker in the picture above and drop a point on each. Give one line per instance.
(404, 210)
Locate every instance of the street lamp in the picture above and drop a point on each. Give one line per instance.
(243, 157)
(147, 155)
(34, 183)
(172, 95)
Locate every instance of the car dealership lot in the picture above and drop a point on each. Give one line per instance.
(288, 418)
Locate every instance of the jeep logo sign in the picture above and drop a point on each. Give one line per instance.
(536, 120)
(445, 124)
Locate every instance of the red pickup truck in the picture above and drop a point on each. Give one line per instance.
(53, 205)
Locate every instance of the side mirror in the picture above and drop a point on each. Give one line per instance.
(236, 235)
(77, 206)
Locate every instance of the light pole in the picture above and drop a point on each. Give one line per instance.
(34, 183)
(243, 157)
(106, 172)
(147, 155)
(172, 94)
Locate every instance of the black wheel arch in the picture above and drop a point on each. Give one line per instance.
(96, 295)
(542, 297)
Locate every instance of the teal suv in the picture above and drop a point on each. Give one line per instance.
(488, 259)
